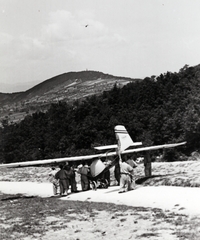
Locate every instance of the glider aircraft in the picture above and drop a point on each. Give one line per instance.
(124, 141)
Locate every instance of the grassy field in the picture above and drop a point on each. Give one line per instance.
(28, 218)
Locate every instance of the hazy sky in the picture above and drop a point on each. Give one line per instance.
(40, 39)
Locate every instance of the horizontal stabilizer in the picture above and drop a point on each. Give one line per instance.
(114, 146)
(106, 147)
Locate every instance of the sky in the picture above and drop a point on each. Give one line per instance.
(40, 39)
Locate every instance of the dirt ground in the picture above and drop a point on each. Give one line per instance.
(31, 217)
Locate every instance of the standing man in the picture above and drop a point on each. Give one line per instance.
(106, 174)
(53, 180)
(126, 175)
(84, 170)
(71, 178)
(133, 164)
(63, 178)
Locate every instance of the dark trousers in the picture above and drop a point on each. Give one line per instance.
(84, 183)
(64, 186)
(73, 184)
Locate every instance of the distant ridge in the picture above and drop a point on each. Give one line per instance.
(67, 86)
(67, 78)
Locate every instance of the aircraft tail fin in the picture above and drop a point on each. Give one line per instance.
(123, 138)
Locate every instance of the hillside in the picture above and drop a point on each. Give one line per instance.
(68, 87)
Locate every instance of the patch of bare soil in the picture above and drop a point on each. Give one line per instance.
(29, 218)
(31, 174)
(183, 174)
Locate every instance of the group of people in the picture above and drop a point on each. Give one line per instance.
(65, 178)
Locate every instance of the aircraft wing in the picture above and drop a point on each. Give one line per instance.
(57, 160)
(153, 147)
(50, 161)
(85, 158)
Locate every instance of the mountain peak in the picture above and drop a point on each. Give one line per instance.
(67, 87)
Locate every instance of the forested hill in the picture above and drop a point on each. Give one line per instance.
(165, 109)
(66, 86)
